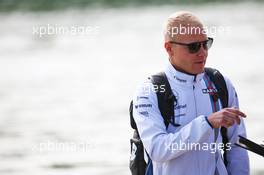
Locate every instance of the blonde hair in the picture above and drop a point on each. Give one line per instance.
(178, 20)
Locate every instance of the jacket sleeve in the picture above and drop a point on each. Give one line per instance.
(160, 145)
(237, 157)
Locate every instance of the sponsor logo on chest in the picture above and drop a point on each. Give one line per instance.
(211, 91)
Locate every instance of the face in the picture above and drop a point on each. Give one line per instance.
(182, 59)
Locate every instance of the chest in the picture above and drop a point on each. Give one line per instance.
(191, 102)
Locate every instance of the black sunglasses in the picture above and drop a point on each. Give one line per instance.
(196, 46)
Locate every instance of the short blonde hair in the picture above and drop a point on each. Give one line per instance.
(178, 20)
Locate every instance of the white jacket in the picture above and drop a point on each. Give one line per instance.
(172, 150)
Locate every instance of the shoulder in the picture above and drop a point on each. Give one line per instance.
(145, 91)
(153, 84)
(232, 93)
(229, 84)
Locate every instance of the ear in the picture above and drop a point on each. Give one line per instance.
(168, 48)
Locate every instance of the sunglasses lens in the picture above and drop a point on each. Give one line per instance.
(194, 47)
(208, 44)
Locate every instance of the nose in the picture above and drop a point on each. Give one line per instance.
(202, 52)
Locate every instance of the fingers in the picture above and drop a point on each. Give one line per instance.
(227, 121)
(226, 125)
(236, 111)
(232, 115)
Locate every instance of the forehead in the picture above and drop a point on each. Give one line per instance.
(191, 38)
(188, 32)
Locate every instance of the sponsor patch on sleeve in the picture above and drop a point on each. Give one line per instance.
(143, 106)
(144, 113)
(142, 97)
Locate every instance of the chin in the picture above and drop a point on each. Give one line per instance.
(198, 71)
(198, 68)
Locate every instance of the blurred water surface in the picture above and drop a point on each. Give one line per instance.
(64, 97)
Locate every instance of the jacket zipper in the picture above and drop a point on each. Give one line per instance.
(194, 81)
(195, 106)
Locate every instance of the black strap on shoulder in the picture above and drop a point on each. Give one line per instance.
(132, 121)
(165, 97)
(217, 78)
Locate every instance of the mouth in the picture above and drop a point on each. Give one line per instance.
(199, 62)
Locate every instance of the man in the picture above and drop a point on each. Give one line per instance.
(191, 146)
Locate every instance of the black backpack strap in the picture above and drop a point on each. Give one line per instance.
(132, 121)
(165, 97)
(217, 78)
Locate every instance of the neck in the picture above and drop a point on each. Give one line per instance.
(181, 70)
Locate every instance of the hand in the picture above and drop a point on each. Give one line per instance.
(226, 117)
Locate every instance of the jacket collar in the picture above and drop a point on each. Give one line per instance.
(182, 78)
